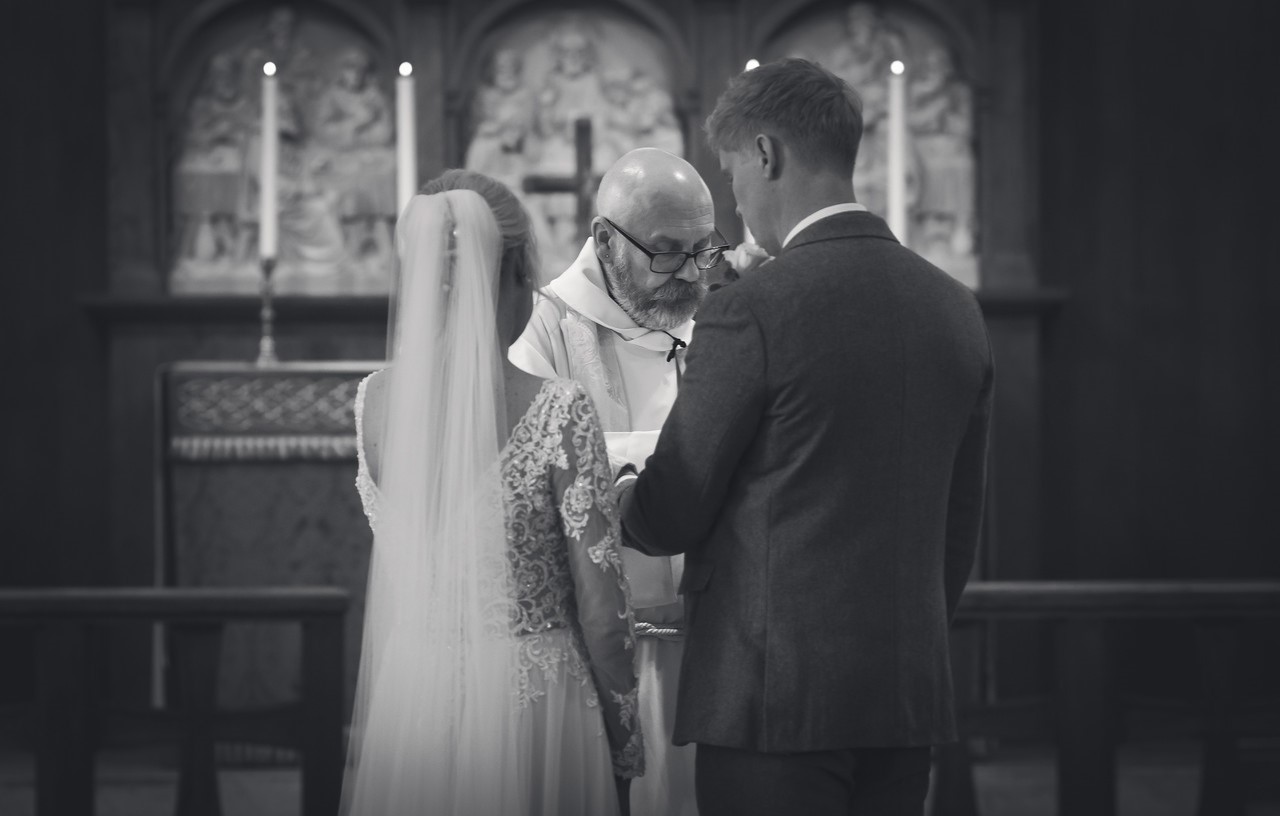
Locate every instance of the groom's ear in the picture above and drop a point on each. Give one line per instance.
(766, 155)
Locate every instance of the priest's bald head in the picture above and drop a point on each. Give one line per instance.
(655, 235)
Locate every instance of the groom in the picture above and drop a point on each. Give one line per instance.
(823, 471)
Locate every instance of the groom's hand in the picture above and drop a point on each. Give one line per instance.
(623, 484)
(626, 475)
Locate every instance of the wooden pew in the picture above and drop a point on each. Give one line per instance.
(1084, 715)
(70, 725)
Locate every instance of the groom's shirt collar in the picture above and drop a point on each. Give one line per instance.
(814, 217)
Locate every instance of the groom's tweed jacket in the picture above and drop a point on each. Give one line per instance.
(823, 468)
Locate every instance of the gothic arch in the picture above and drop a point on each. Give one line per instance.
(778, 17)
(190, 27)
(473, 37)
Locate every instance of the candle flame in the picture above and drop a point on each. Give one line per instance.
(752, 64)
(406, 69)
(897, 67)
(269, 68)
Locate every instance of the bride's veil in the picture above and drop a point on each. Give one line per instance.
(434, 728)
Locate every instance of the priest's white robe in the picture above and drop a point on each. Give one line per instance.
(631, 373)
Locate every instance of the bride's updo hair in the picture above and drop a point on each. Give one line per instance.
(519, 251)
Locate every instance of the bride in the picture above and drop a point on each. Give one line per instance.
(497, 672)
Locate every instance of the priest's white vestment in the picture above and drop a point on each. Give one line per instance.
(632, 374)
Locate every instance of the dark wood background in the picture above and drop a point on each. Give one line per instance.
(1127, 161)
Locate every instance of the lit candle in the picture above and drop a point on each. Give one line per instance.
(406, 138)
(268, 216)
(897, 181)
(747, 237)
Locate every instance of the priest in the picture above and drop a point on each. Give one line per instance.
(618, 321)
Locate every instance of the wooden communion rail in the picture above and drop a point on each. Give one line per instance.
(69, 725)
(1083, 713)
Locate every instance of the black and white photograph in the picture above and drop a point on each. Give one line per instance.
(640, 408)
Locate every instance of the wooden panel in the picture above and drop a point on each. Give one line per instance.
(187, 603)
(1121, 599)
(64, 750)
(1006, 148)
(425, 46)
(73, 724)
(1160, 375)
(134, 252)
(53, 200)
(721, 56)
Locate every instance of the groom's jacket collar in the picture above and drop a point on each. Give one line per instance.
(842, 225)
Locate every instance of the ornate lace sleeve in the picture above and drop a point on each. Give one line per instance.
(589, 518)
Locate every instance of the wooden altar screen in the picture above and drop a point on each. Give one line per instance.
(255, 486)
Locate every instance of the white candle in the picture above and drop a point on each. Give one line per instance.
(897, 180)
(268, 199)
(747, 237)
(406, 138)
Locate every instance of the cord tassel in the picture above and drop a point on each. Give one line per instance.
(676, 344)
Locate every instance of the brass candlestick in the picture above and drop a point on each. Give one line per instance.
(267, 343)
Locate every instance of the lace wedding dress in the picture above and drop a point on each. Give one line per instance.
(575, 644)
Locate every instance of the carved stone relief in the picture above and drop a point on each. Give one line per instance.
(337, 162)
(859, 44)
(545, 72)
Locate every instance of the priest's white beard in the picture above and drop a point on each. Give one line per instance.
(662, 309)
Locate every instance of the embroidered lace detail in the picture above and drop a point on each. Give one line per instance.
(628, 762)
(536, 531)
(582, 343)
(544, 533)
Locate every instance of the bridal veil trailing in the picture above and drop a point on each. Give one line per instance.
(435, 721)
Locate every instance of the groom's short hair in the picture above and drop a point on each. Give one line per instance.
(814, 112)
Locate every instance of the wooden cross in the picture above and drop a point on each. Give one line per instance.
(582, 183)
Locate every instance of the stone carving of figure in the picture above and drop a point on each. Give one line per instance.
(525, 123)
(279, 44)
(353, 112)
(336, 176)
(573, 90)
(211, 170)
(941, 114)
(309, 216)
(621, 130)
(653, 113)
(353, 124)
(638, 113)
(503, 146)
(295, 63)
(862, 59)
